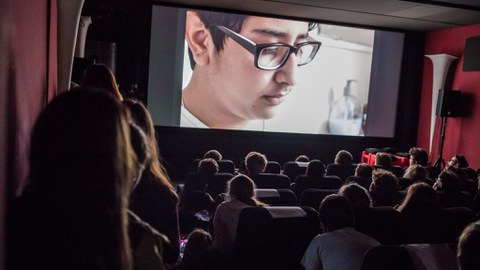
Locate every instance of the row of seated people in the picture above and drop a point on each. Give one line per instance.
(343, 165)
(386, 188)
(290, 237)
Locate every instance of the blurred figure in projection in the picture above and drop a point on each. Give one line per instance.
(243, 67)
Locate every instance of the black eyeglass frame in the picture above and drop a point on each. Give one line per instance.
(255, 48)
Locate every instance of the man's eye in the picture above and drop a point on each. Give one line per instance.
(270, 50)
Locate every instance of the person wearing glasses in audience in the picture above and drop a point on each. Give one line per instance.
(243, 67)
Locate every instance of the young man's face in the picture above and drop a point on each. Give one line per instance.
(245, 91)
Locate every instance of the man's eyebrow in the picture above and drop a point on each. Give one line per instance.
(278, 34)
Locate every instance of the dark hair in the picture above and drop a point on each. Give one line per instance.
(207, 167)
(419, 196)
(141, 116)
(416, 172)
(196, 254)
(315, 168)
(99, 76)
(384, 181)
(242, 188)
(255, 163)
(419, 155)
(448, 181)
(357, 195)
(468, 247)
(383, 159)
(302, 158)
(364, 170)
(461, 161)
(80, 166)
(335, 213)
(215, 154)
(344, 157)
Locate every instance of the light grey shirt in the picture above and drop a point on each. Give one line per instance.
(342, 249)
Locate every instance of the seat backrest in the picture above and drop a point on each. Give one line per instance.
(292, 169)
(226, 166)
(388, 257)
(455, 220)
(432, 256)
(455, 199)
(271, 180)
(340, 170)
(362, 181)
(273, 237)
(383, 223)
(194, 182)
(320, 182)
(313, 197)
(217, 183)
(276, 197)
(273, 167)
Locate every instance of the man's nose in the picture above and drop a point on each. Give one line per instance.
(287, 74)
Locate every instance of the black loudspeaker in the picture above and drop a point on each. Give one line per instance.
(448, 103)
(471, 55)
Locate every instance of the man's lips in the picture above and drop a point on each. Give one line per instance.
(273, 100)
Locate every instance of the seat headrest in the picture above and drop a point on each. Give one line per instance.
(302, 164)
(285, 211)
(266, 192)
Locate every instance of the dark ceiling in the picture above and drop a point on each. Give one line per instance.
(391, 14)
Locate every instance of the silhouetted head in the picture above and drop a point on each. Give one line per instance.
(242, 188)
(469, 246)
(419, 196)
(416, 172)
(315, 168)
(384, 181)
(335, 213)
(100, 77)
(81, 163)
(364, 170)
(418, 156)
(344, 157)
(207, 167)
(357, 195)
(383, 159)
(255, 163)
(215, 154)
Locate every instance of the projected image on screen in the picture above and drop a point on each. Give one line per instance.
(270, 74)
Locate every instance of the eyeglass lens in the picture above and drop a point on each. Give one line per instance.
(275, 56)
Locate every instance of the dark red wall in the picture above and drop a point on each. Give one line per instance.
(462, 133)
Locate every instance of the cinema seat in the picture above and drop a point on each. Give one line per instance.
(293, 169)
(226, 166)
(276, 197)
(320, 182)
(217, 183)
(340, 170)
(273, 167)
(271, 180)
(313, 197)
(388, 257)
(273, 237)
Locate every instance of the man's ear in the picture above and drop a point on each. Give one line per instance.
(197, 36)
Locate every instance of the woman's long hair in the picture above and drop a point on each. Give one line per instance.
(81, 175)
(141, 116)
(419, 196)
(242, 188)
